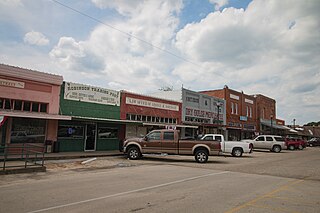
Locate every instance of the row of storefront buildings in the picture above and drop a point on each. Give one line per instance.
(38, 107)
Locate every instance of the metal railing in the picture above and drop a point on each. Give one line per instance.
(22, 155)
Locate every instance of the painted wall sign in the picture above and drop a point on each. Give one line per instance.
(234, 97)
(197, 113)
(248, 101)
(86, 93)
(152, 104)
(9, 83)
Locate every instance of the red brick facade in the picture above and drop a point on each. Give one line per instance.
(240, 112)
(146, 107)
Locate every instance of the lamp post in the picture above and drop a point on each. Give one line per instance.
(271, 117)
(294, 123)
(218, 105)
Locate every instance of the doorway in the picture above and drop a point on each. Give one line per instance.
(90, 143)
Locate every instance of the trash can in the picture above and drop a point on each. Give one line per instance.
(56, 146)
(48, 144)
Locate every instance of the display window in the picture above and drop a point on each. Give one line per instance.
(27, 130)
(70, 131)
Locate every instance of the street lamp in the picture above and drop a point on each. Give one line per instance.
(218, 104)
(271, 117)
(294, 123)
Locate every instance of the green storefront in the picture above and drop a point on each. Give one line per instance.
(95, 124)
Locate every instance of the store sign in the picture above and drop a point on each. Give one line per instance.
(234, 97)
(243, 118)
(248, 101)
(9, 83)
(86, 93)
(152, 104)
(236, 125)
(200, 113)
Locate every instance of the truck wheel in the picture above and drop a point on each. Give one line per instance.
(134, 153)
(237, 152)
(300, 147)
(291, 147)
(276, 148)
(201, 156)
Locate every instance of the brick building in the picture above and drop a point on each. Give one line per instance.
(267, 117)
(241, 116)
(144, 113)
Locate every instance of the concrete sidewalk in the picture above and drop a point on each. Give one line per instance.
(73, 155)
(15, 165)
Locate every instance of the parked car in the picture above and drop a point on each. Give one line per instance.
(169, 142)
(314, 142)
(273, 143)
(295, 143)
(235, 148)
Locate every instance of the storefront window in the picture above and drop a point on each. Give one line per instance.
(35, 107)
(28, 130)
(72, 132)
(107, 132)
(17, 105)
(26, 106)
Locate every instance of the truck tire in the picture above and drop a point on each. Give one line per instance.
(276, 148)
(291, 147)
(201, 156)
(237, 152)
(134, 153)
(300, 147)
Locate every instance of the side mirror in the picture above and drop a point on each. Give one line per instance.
(145, 138)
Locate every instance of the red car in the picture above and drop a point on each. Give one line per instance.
(295, 143)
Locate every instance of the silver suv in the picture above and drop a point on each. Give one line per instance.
(272, 142)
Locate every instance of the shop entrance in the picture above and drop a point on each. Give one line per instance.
(90, 143)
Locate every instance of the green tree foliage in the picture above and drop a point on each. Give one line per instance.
(314, 123)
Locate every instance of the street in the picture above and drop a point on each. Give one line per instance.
(260, 182)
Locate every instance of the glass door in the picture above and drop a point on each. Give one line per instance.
(90, 143)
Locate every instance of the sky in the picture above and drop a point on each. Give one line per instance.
(258, 47)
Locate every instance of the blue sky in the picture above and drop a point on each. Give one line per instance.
(259, 47)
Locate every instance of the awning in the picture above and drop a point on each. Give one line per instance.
(275, 126)
(176, 125)
(38, 115)
(105, 119)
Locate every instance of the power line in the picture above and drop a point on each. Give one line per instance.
(125, 33)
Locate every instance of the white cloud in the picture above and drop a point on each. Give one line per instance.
(272, 47)
(76, 56)
(35, 38)
(219, 3)
(11, 3)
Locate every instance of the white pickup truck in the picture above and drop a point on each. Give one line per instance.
(235, 148)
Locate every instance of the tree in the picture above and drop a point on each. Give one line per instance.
(166, 88)
(314, 123)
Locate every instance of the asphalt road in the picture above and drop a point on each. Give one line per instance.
(260, 182)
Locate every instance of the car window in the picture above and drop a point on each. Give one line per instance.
(218, 138)
(269, 138)
(260, 138)
(154, 136)
(168, 136)
(208, 138)
(279, 138)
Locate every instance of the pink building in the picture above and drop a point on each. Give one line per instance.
(29, 105)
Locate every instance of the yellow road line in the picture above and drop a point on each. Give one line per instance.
(272, 208)
(269, 194)
(294, 200)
